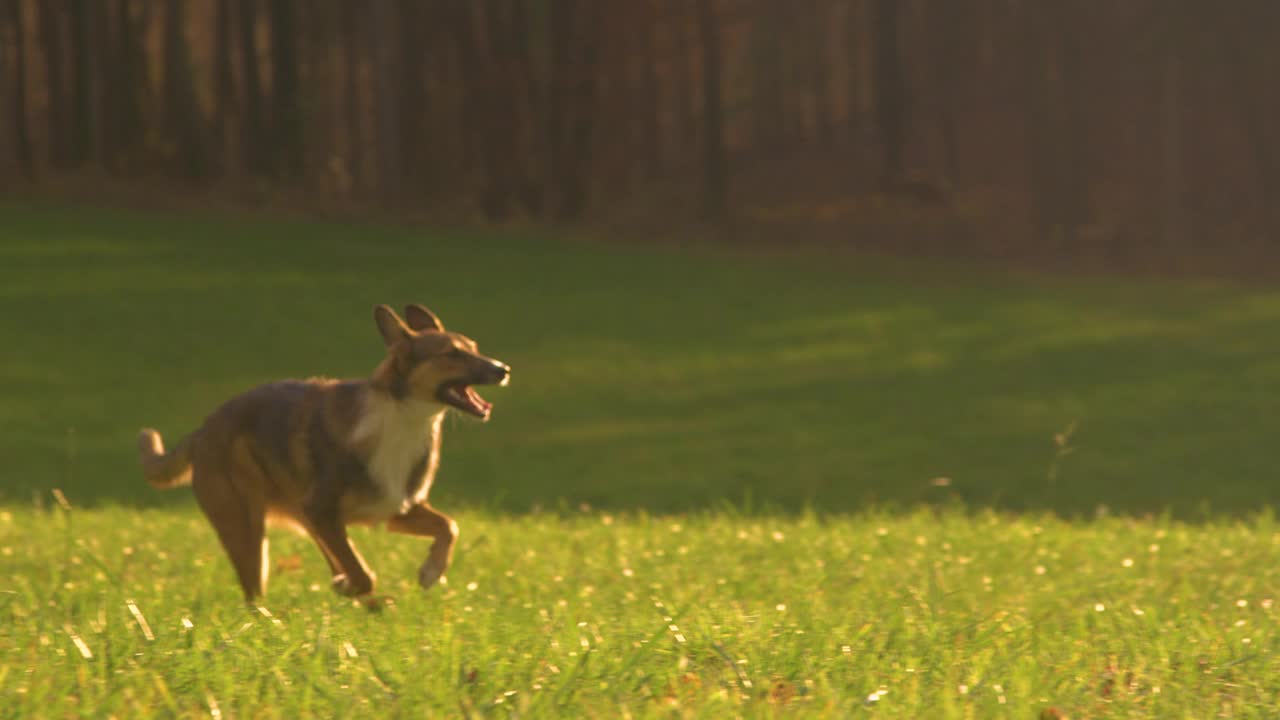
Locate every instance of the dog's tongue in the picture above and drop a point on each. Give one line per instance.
(476, 401)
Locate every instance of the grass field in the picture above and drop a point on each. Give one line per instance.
(714, 486)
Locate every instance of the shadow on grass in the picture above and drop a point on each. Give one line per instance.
(652, 380)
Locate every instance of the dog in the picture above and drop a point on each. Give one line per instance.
(322, 454)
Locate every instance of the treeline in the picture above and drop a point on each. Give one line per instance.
(1161, 117)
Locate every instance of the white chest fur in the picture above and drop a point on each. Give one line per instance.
(401, 434)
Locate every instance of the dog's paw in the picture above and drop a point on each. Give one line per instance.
(429, 575)
(352, 587)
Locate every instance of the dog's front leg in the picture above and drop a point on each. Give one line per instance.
(352, 577)
(426, 521)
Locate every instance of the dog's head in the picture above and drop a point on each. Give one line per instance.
(427, 363)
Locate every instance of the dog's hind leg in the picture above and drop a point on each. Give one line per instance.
(240, 522)
(426, 521)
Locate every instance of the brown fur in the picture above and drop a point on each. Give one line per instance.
(323, 454)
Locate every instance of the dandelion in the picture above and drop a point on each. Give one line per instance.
(964, 689)
(1127, 562)
(1099, 607)
(778, 536)
(1242, 603)
(781, 607)
(1040, 570)
(471, 586)
(1153, 548)
(628, 572)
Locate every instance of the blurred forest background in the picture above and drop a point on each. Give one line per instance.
(1128, 131)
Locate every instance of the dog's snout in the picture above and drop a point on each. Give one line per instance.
(501, 372)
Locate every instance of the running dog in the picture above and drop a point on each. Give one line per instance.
(322, 454)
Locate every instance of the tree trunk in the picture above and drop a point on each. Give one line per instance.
(575, 37)
(1171, 147)
(130, 86)
(286, 98)
(320, 101)
(50, 26)
(23, 152)
(352, 50)
(506, 96)
(891, 90)
(182, 113)
(117, 74)
(491, 52)
(253, 142)
(769, 94)
(1056, 121)
(83, 108)
(949, 29)
(853, 62)
(820, 71)
(1072, 135)
(413, 92)
(224, 80)
(1250, 69)
(529, 98)
(650, 145)
(1037, 116)
(686, 96)
(383, 38)
(715, 174)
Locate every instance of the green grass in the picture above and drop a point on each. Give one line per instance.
(706, 615)
(790, 414)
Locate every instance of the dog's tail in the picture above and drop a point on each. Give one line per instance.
(164, 469)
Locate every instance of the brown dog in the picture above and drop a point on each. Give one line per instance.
(322, 454)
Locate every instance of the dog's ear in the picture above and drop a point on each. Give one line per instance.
(390, 325)
(421, 319)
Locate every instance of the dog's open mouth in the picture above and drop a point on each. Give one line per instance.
(465, 398)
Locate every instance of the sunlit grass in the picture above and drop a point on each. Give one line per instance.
(588, 613)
